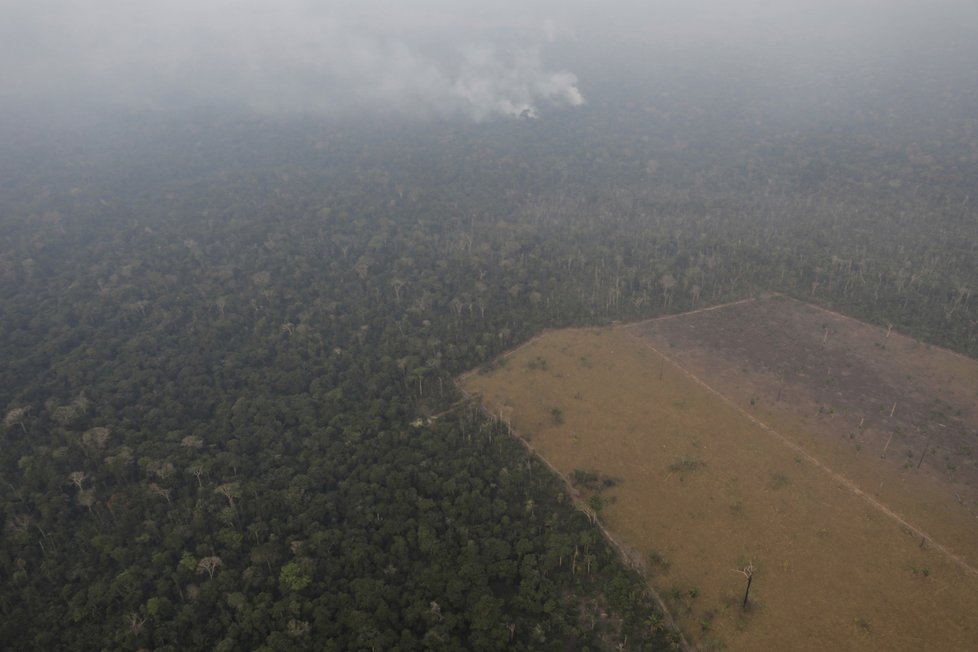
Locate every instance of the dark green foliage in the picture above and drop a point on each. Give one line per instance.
(585, 478)
(557, 415)
(216, 450)
(221, 341)
(591, 480)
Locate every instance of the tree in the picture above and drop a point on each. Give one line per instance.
(667, 282)
(397, 284)
(208, 565)
(748, 572)
(86, 498)
(16, 417)
(229, 490)
(78, 478)
(135, 622)
(95, 439)
(160, 491)
(187, 563)
(557, 415)
(293, 577)
(192, 441)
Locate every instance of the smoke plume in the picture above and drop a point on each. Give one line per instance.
(282, 55)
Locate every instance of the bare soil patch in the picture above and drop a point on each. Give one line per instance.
(691, 460)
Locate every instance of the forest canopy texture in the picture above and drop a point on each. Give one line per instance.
(228, 341)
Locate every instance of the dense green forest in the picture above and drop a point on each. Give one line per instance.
(228, 344)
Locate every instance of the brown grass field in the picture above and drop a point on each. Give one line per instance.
(775, 433)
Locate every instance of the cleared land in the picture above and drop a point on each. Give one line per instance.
(756, 432)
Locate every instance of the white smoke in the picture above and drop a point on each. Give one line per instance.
(272, 55)
(490, 83)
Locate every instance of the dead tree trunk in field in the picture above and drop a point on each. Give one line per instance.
(748, 572)
(924, 454)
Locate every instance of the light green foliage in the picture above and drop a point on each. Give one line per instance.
(293, 577)
(188, 563)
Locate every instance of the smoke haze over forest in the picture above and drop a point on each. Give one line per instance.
(437, 58)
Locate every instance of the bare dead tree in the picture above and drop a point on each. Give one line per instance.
(160, 491)
(883, 454)
(78, 478)
(667, 282)
(135, 622)
(192, 441)
(397, 284)
(161, 470)
(748, 572)
(208, 565)
(86, 498)
(230, 491)
(16, 417)
(926, 448)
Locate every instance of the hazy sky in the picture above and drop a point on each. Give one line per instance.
(425, 57)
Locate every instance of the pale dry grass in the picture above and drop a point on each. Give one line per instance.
(708, 491)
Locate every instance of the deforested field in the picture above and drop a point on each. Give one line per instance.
(833, 458)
